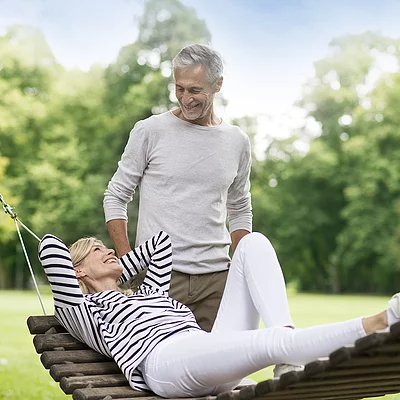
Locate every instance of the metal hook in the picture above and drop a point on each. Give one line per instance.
(7, 208)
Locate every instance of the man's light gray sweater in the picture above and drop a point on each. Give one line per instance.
(191, 178)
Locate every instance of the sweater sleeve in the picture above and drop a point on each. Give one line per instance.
(156, 254)
(56, 261)
(239, 197)
(122, 185)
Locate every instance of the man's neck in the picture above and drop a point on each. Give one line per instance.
(209, 120)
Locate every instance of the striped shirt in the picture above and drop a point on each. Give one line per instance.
(125, 328)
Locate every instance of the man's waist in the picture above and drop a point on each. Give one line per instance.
(200, 269)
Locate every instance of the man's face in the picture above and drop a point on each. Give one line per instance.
(195, 94)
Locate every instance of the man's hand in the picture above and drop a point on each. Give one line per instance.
(236, 236)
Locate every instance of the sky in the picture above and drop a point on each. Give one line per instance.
(268, 46)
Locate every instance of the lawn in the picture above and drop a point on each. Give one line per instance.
(22, 376)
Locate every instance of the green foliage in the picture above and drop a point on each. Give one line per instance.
(63, 132)
(300, 213)
(166, 27)
(121, 75)
(372, 191)
(337, 219)
(333, 213)
(6, 224)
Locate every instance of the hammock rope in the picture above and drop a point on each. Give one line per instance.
(10, 210)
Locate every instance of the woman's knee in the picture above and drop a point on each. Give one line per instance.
(257, 240)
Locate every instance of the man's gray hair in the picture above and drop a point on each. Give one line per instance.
(200, 54)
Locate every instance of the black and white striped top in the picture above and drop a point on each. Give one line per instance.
(123, 327)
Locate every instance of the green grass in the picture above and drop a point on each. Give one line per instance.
(23, 377)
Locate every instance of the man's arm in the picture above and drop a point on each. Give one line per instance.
(122, 186)
(239, 200)
(119, 235)
(236, 236)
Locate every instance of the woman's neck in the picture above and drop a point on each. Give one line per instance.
(96, 287)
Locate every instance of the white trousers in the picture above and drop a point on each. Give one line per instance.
(197, 363)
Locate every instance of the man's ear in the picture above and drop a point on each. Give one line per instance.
(79, 273)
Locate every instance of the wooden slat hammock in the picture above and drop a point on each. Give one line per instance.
(368, 368)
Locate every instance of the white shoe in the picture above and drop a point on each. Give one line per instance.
(281, 369)
(394, 304)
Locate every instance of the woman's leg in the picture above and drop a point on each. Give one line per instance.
(199, 363)
(255, 287)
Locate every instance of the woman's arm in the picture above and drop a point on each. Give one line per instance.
(156, 254)
(57, 264)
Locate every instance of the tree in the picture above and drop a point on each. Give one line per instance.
(26, 73)
(62, 132)
(337, 216)
(372, 191)
(164, 28)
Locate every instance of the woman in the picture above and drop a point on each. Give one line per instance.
(156, 341)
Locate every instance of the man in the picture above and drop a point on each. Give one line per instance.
(193, 171)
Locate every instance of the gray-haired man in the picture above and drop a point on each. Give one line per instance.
(193, 172)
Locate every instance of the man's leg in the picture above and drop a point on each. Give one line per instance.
(206, 297)
(201, 293)
(179, 288)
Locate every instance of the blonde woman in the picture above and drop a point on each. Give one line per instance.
(156, 341)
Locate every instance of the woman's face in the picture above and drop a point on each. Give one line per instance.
(100, 263)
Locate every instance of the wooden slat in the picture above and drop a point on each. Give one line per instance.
(231, 395)
(101, 393)
(372, 341)
(395, 330)
(69, 384)
(377, 381)
(322, 392)
(155, 397)
(341, 355)
(388, 348)
(247, 392)
(42, 323)
(378, 377)
(338, 393)
(365, 370)
(45, 342)
(364, 361)
(59, 371)
(49, 358)
(368, 368)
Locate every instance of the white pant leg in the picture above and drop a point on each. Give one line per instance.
(255, 287)
(198, 363)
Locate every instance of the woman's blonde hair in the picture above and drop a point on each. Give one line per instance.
(79, 250)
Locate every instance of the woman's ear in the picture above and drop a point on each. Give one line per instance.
(79, 273)
(219, 84)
